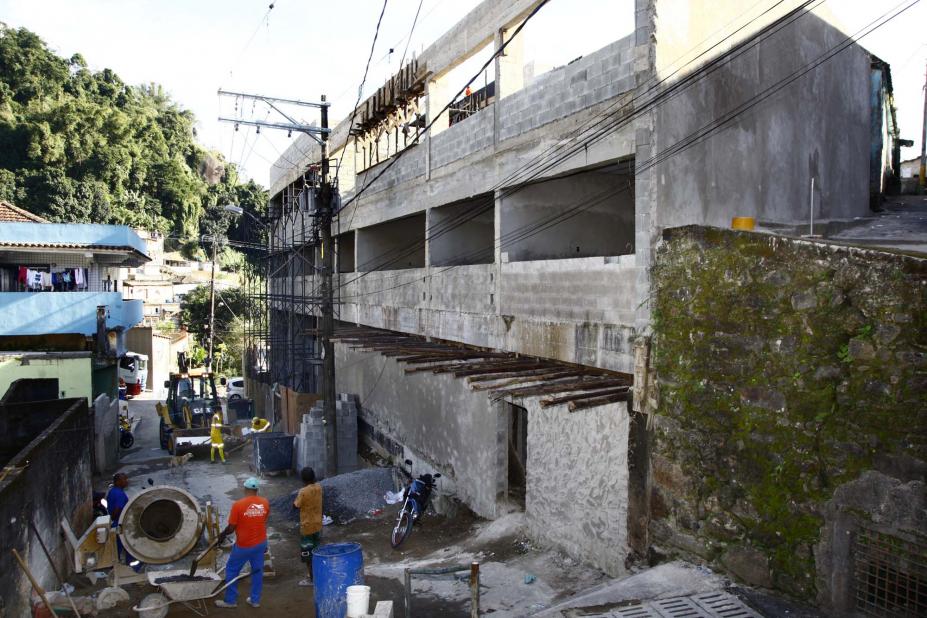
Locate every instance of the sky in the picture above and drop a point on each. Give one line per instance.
(301, 49)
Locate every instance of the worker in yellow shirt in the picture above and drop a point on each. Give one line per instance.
(215, 437)
(259, 425)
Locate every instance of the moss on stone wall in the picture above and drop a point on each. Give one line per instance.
(784, 367)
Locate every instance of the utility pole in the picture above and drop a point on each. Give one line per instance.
(212, 303)
(328, 317)
(923, 170)
(325, 214)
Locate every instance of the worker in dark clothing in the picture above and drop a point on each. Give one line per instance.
(116, 500)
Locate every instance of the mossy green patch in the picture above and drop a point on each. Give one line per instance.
(786, 366)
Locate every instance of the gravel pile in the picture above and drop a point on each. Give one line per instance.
(344, 497)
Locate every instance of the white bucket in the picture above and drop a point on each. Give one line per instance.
(358, 601)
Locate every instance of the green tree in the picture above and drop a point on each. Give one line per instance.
(83, 146)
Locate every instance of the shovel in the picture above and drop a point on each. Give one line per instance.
(202, 555)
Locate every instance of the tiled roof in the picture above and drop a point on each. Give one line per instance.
(8, 212)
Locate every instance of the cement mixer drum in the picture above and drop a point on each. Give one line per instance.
(161, 524)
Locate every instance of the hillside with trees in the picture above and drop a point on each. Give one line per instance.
(78, 145)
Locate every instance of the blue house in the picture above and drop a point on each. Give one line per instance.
(55, 276)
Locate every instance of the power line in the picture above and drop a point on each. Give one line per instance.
(638, 110)
(360, 89)
(399, 154)
(694, 138)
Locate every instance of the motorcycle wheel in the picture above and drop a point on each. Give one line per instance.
(403, 528)
(126, 439)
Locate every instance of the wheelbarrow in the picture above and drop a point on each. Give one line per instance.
(177, 587)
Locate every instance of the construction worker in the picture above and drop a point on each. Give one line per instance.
(309, 503)
(248, 520)
(215, 437)
(259, 425)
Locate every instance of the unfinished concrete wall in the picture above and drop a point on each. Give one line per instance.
(585, 214)
(462, 233)
(105, 434)
(577, 310)
(55, 485)
(436, 417)
(394, 245)
(577, 491)
(785, 369)
(760, 163)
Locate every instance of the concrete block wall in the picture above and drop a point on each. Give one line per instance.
(443, 425)
(462, 139)
(592, 79)
(310, 442)
(579, 310)
(106, 433)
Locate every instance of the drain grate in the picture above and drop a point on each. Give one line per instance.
(890, 574)
(705, 605)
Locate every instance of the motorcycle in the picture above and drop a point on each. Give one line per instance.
(126, 439)
(417, 497)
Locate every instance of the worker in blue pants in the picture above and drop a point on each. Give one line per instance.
(248, 520)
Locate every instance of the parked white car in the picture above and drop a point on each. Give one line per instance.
(235, 389)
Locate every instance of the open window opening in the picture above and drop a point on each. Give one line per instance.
(393, 245)
(344, 247)
(583, 214)
(517, 453)
(462, 233)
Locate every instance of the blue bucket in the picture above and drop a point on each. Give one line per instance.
(335, 567)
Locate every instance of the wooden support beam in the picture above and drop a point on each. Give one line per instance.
(485, 366)
(482, 386)
(576, 385)
(555, 401)
(431, 367)
(599, 401)
(502, 375)
(444, 367)
(484, 370)
(431, 356)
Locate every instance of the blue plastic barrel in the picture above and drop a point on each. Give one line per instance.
(335, 567)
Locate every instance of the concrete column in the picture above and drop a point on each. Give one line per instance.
(510, 73)
(645, 231)
(437, 94)
(497, 252)
(510, 65)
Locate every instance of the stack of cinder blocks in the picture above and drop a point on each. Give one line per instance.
(310, 441)
(346, 413)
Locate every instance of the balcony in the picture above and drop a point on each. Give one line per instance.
(58, 313)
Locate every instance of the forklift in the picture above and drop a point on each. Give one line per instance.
(187, 414)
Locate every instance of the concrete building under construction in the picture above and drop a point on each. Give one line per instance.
(493, 271)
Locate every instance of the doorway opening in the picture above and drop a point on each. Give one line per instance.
(518, 453)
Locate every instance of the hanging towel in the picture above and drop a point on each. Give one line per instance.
(23, 276)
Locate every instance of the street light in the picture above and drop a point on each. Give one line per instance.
(238, 210)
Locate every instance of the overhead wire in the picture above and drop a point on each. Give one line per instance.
(463, 217)
(707, 129)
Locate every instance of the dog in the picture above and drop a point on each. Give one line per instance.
(179, 460)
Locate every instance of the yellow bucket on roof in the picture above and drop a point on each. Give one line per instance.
(743, 223)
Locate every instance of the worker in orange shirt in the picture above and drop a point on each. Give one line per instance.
(248, 520)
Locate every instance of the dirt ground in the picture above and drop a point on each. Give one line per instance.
(516, 578)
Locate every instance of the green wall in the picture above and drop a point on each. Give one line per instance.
(784, 369)
(73, 373)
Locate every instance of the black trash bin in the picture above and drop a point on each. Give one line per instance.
(273, 452)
